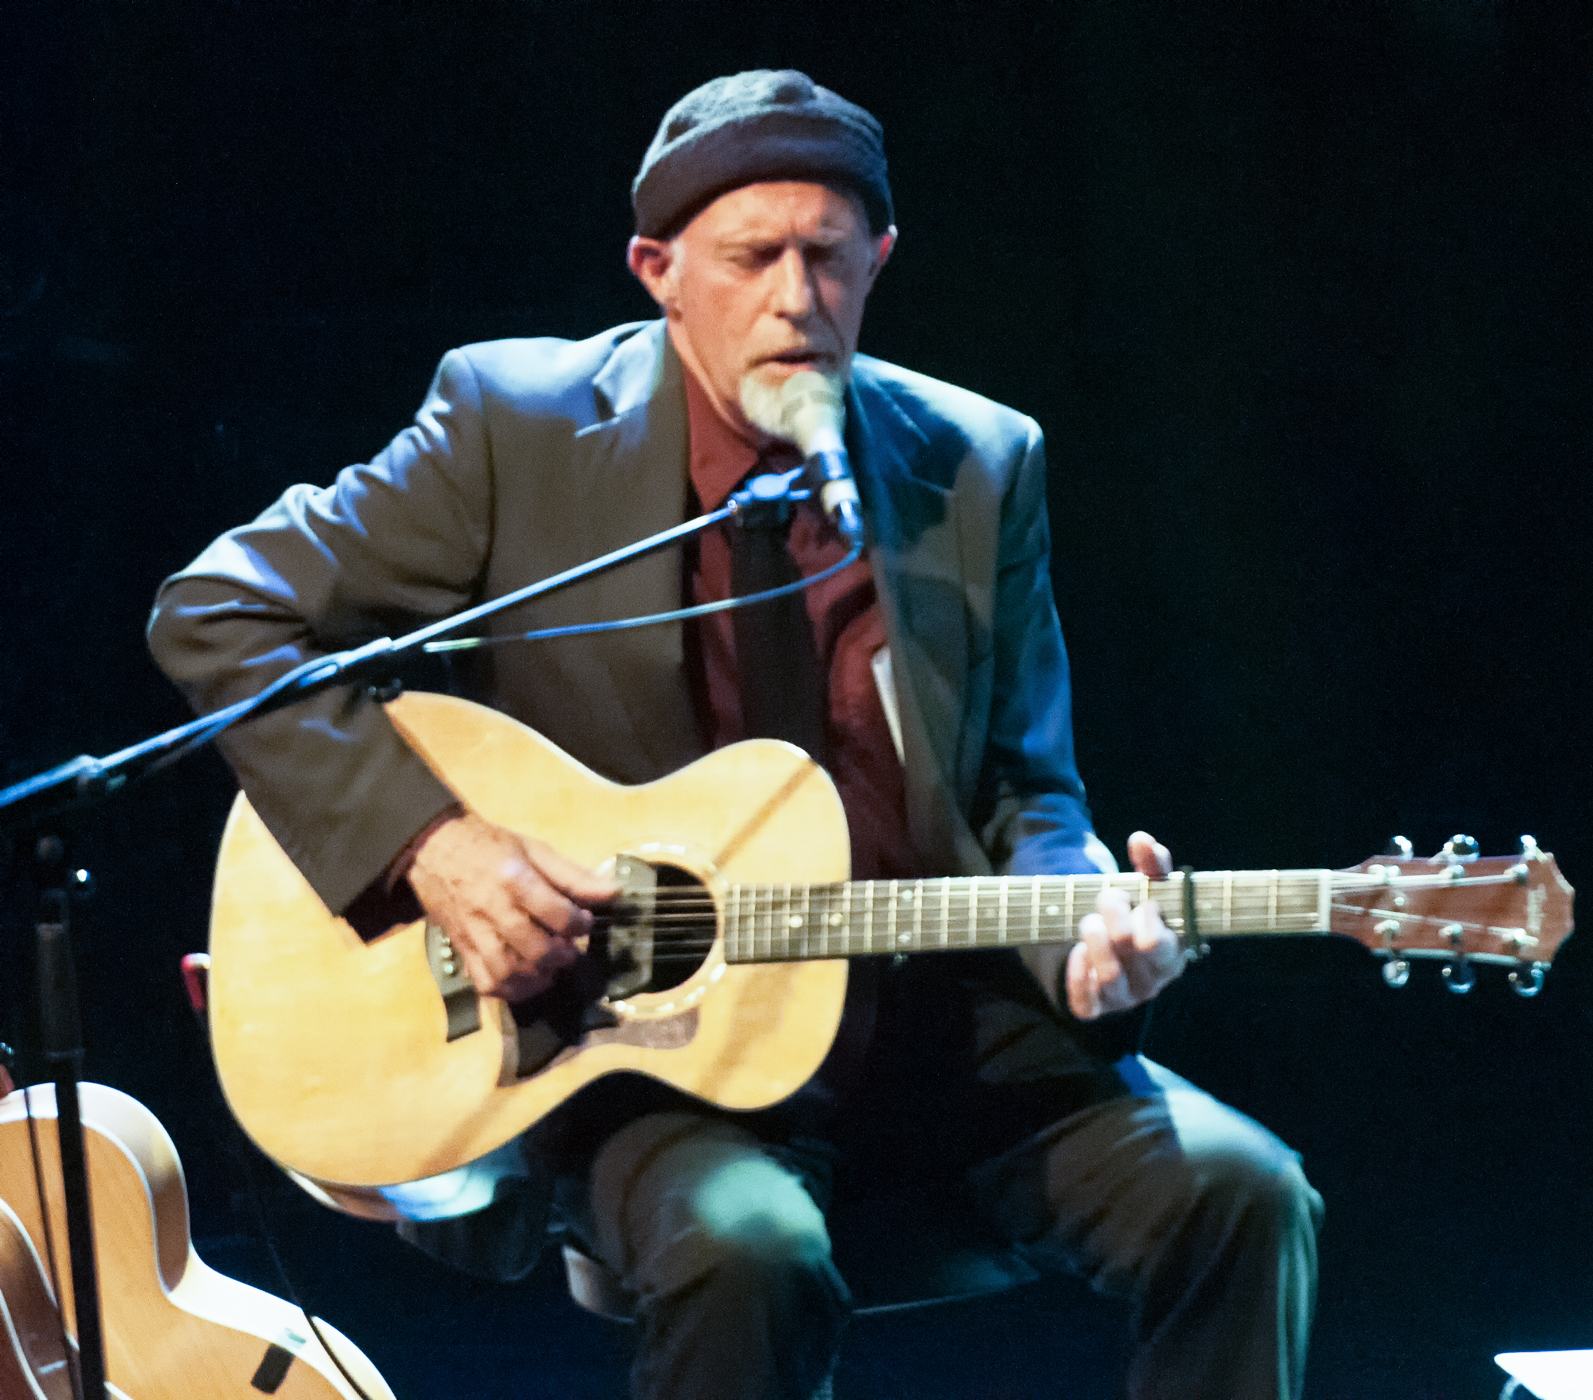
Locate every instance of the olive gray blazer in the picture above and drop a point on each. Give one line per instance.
(531, 456)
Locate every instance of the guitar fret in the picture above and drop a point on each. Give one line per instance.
(791, 922)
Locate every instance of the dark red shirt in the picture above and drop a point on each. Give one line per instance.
(847, 632)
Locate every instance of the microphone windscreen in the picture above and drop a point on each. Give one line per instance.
(807, 410)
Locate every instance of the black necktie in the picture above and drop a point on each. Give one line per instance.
(781, 697)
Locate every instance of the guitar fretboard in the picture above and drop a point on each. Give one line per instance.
(788, 923)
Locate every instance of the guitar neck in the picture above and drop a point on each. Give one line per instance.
(791, 923)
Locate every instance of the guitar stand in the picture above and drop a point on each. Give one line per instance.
(61, 1038)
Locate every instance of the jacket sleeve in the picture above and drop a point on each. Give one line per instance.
(387, 547)
(1030, 809)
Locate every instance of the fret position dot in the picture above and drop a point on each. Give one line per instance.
(1053, 910)
(795, 921)
(836, 920)
(904, 938)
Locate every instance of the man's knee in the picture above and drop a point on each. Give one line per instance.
(754, 1210)
(712, 1209)
(1245, 1172)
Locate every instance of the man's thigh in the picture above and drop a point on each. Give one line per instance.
(1111, 1191)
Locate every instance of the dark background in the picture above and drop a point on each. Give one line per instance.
(1298, 292)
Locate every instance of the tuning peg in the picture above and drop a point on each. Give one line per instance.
(1530, 984)
(1529, 849)
(1396, 972)
(1459, 848)
(1399, 847)
(80, 885)
(1459, 976)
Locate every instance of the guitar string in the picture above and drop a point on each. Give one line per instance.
(1259, 887)
(964, 933)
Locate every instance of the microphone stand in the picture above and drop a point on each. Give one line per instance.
(29, 808)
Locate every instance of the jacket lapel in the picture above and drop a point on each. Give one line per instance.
(916, 556)
(636, 460)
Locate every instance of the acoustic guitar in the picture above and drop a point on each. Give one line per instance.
(174, 1328)
(358, 1063)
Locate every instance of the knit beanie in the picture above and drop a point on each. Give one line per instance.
(762, 125)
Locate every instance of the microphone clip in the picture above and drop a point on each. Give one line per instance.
(768, 502)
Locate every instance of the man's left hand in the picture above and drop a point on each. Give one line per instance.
(1125, 956)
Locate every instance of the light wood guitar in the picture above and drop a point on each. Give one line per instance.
(356, 1064)
(174, 1328)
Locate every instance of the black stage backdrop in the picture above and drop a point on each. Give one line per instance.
(1299, 294)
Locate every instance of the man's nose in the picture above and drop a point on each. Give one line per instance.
(794, 294)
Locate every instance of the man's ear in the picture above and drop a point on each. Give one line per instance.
(654, 263)
(883, 247)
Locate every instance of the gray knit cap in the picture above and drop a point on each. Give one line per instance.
(762, 125)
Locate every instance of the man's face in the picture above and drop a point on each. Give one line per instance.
(768, 280)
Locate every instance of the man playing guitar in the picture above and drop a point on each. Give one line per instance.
(763, 218)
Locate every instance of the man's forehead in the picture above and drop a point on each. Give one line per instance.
(781, 209)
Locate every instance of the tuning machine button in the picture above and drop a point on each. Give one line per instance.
(1400, 848)
(1396, 972)
(1458, 848)
(1527, 981)
(1459, 976)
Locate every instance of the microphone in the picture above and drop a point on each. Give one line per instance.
(810, 412)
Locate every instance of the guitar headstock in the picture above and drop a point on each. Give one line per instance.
(1512, 911)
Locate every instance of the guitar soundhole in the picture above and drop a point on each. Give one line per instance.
(683, 927)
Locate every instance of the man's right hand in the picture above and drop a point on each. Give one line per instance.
(511, 905)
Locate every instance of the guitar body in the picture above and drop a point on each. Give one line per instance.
(33, 1365)
(174, 1328)
(334, 1053)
